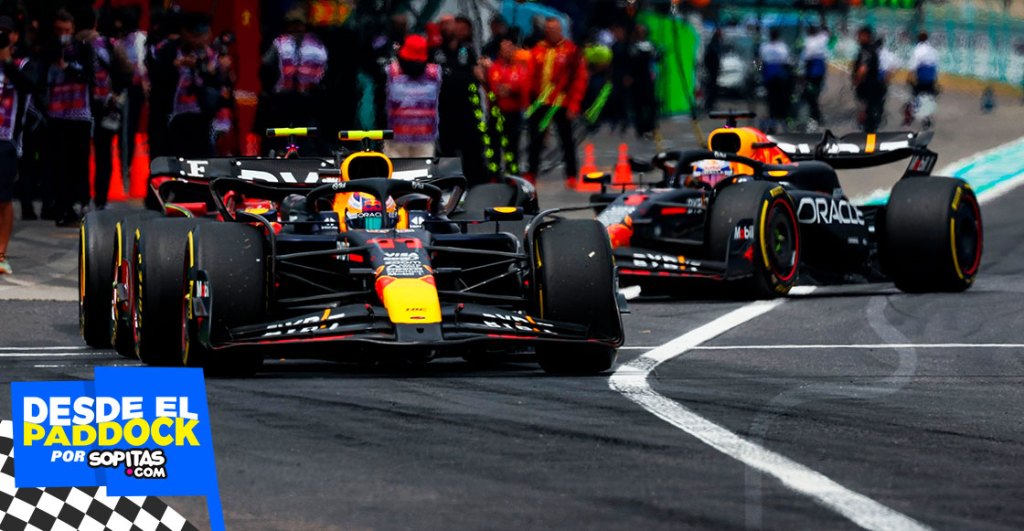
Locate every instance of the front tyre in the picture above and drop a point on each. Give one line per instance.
(933, 235)
(231, 258)
(769, 240)
(159, 250)
(575, 278)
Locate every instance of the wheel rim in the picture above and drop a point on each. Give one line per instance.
(967, 236)
(782, 244)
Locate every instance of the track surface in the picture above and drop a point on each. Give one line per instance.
(933, 433)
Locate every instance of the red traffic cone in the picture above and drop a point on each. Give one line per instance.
(116, 191)
(139, 181)
(622, 175)
(580, 184)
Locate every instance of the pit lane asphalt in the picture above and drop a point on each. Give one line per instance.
(935, 433)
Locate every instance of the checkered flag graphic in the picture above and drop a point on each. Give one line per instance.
(70, 509)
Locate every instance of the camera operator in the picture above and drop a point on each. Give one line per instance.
(202, 87)
(69, 79)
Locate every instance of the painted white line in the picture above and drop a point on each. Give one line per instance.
(35, 354)
(860, 346)
(80, 365)
(46, 348)
(631, 380)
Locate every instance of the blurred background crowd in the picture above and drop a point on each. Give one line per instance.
(509, 86)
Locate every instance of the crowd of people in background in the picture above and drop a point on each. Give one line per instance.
(77, 82)
(790, 80)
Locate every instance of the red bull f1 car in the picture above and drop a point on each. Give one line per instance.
(761, 213)
(357, 264)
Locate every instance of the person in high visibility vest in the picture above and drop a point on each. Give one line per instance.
(67, 99)
(292, 73)
(413, 91)
(509, 79)
(15, 88)
(559, 83)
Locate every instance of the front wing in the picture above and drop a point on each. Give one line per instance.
(329, 333)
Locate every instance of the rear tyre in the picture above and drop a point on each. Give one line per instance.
(122, 295)
(95, 277)
(575, 279)
(773, 246)
(232, 256)
(933, 235)
(159, 252)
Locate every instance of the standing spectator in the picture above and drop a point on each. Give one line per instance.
(643, 61)
(163, 43)
(887, 61)
(69, 117)
(775, 71)
(199, 77)
(868, 80)
(815, 60)
(383, 50)
(133, 47)
(509, 79)
(616, 111)
(463, 128)
(292, 72)
(559, 83)
(499, 32)
(111, 71)
(924, 66)
(413, 92)
(31, 181)
(712, 67)
(14, 90)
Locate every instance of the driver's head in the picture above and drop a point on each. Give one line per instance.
(708, 173)
(364, 211)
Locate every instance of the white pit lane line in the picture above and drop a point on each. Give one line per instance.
(631, 380)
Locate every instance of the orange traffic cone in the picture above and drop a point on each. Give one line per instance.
(623, 174)
(116, 191)
(252, 145)
(139, 181)
(581, 184)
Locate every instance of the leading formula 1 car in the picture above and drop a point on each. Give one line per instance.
(180, 190)
(764, 212)
(359, 265)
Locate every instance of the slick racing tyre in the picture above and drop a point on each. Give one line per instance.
(122, 294)
(231, 256)
(159, 252)
(933, 235)
(770, 242)
(95, 277)
(575, 280)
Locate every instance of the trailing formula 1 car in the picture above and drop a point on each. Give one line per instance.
(369, 267)
(765, 212)
(112, 239)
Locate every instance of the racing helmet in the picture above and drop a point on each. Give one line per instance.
(708, 173)
(364, 211)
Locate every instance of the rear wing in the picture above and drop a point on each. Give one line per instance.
(860, 150)
(285, 171)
